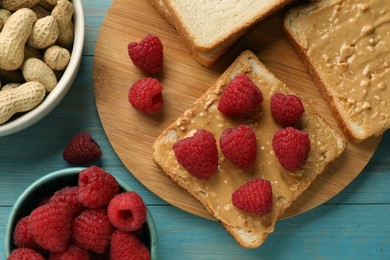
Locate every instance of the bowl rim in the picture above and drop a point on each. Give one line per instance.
(59, 173)
(62, 87)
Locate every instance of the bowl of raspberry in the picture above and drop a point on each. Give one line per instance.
(80, 213)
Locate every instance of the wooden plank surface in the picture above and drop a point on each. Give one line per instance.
(184, 80)
(352, 225)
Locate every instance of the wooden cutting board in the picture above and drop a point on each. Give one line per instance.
(184, 80)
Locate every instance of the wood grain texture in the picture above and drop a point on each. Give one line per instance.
(132, 133)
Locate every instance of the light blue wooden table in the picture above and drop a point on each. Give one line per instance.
(353, 225)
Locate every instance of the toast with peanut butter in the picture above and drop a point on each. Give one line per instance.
(215, 194)
(345, 45)
(210, 28)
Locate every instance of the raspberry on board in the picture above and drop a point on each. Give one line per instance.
(51, 226)
(126, 246)
(127, 211)
(147, 54)
(198, 154)
(22, 238)
(291, 147)
(241, 97)
(73, 252)
(92, 230)
(254, 197)
(25, 254)
(239, 145)
(96, 187)
(82, 149)
(287, 110)
(145, 95)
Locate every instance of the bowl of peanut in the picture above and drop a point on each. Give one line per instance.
(41, 44)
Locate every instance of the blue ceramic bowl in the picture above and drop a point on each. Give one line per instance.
(47, 185)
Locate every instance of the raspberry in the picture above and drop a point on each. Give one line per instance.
(241, 97)
(145, 95)
(127, 211)
(254, 197)
(68, 195)
(126, 246)
(239, 145)
(22, 238)
(198, 154)
(92, 230)
(51, 226)
(96, 187)
(25, 254)
(286, 109)
(81, 149)
(291, 147)
(147, 54)
(73, 252)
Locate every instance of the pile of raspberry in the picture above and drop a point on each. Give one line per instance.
(93, 220)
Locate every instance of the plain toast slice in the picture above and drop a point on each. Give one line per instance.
(345, 45)
(249, 230)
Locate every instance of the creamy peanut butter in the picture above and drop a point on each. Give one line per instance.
(215, 193)
(350, 42)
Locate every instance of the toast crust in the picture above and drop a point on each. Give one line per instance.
(248, 230)
(374, 110)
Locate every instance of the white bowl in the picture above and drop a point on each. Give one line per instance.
(53, 99)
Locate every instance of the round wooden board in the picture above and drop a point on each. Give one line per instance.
(184, 80)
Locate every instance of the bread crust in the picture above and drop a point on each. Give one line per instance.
(245, 237)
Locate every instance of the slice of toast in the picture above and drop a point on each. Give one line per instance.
(210, 28)
(345, 45)
(215, 194)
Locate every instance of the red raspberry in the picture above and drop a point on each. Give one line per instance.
(68, 195)
(254, 197)
(81, 149)
(145, 95)
(127, 211)
(198, 154)
(25, 254)
(22, 238)
(126, 246)
(73, 252)
(51, 226)
(147, 54)
(291, 147)
(241, 97)
(96, 187)
(286, 109)
(239, 145)
(92, 230)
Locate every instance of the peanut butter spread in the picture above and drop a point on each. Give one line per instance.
(215, 193)
(350, 42)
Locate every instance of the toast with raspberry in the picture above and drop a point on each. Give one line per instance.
(344, 45)
(210, 28)
(247, 196)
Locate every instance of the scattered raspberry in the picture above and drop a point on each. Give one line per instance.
(126, 246)
(145, 95)
(25, 254)
(73, 252)
(241, 97)
(291, 147)
(239, 145)
(68, 195)
(127, 211)
(92, 230)
(198, 154)
(21, 236)
(96, 187)
(147, 54)
(254, 197)
(286, 109)
(51, 226)
(81, 149)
